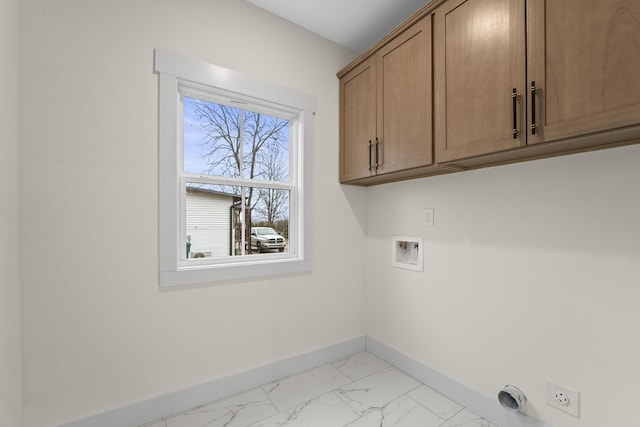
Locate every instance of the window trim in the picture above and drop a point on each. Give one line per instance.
(173, 70)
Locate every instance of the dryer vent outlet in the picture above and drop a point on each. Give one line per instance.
(511, 398)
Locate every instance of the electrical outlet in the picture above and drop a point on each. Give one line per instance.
(563, 398)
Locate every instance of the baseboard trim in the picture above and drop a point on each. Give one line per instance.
(172, 403)
(477, 402)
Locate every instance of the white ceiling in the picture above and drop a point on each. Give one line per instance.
(355, 24)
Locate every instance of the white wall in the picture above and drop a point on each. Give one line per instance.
(10, 332)
(532, 273)
(98, 333)
(531, 270)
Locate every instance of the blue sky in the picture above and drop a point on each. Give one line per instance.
(194, 137)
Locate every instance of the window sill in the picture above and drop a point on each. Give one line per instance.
(225, 272)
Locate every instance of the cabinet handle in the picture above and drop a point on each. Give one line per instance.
(377, 154)
(533, 108)
(514, 97)
(370, 155)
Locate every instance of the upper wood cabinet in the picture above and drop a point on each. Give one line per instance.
(479, 46)
(486, 82)
(405, 100)
(358, 104)
(584, 60)
(386, 109)
(503, 82)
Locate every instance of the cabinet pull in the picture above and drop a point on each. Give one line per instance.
(533, 108)
(378, 164)
(514, 97)
(370, 155)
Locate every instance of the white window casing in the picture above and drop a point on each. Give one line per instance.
(179, 76)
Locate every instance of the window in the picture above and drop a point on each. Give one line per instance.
(234, 164)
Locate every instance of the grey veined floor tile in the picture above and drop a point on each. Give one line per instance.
(300, 388)
(440, 405)
(326, 411)
(466, 418)
(402, 412)
(359, 391)
(376, 390)
(360, 365)
(237, 411)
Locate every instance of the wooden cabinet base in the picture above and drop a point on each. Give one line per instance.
(584, 144)
(402, 175)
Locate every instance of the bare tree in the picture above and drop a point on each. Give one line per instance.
(241, 143)
(273, 203)
(223, 131)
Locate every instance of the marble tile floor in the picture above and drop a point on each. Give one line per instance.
(360, 391)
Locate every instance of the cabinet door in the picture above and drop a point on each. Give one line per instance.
(479, 60)
(405, 100)
(357, 122)
(584, 58)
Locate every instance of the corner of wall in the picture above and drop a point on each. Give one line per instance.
(10, 289)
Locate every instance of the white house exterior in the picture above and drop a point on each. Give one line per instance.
(209, 222)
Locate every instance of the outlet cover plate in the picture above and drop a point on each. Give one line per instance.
(556, 394)
(428, 217)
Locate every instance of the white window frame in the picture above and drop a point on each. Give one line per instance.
(179, 75)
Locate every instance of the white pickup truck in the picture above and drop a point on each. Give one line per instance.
(263, 238)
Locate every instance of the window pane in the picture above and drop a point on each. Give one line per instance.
(265, 147)
(213, 220)
(212, 135)
(270, 220)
